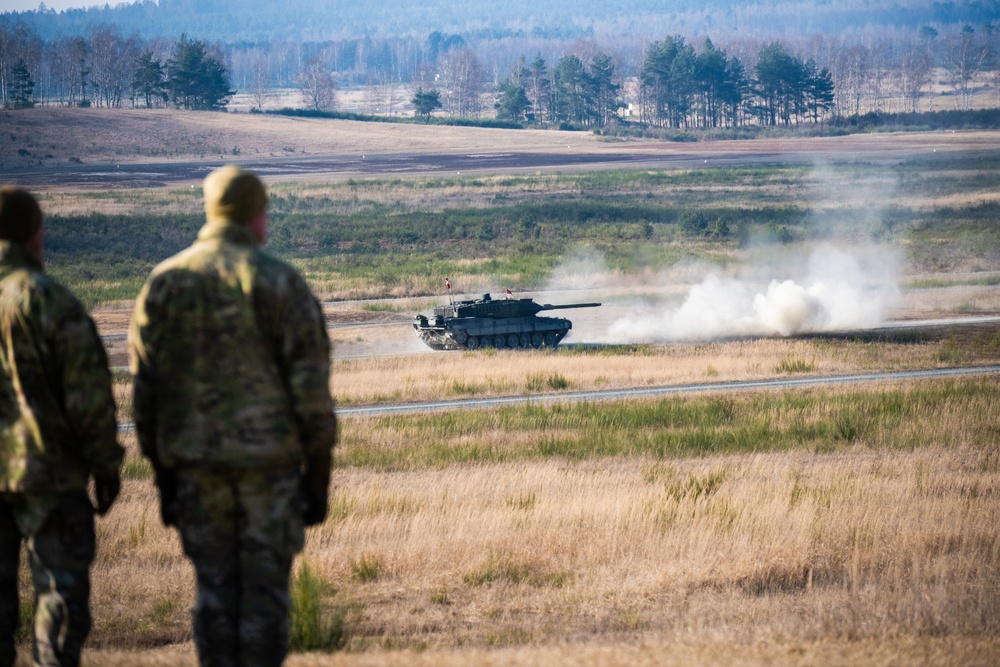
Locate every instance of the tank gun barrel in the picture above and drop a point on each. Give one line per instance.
(549, 306)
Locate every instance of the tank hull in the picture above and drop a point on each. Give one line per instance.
(471, 333)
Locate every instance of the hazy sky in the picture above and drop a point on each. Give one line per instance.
(24, 5)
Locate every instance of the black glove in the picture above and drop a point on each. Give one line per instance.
(315, 482)
(106, 489)
(166, 482)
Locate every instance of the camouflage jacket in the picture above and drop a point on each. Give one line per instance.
(57, 412)
(230, 358)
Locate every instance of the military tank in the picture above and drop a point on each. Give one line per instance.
(500, 323)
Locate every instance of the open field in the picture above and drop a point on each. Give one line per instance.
(849, 525)
(53, 147)
(875, 541)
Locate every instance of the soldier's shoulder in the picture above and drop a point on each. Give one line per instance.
(278, 272)
(269, 262)
(181, 261)
(175, 269)
(52, 293)
(43, 299)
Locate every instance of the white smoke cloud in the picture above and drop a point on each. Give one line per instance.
(583, 268)
(835, 290)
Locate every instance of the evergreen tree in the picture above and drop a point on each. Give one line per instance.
(684, 85)
(425, 102)
(710, 72)
(195, 79)
(148, 81)
(667, 78)
(603, 90)
(22, 86)
(780, 85)
(539, 88)
(512, 101)
(734, 91)
(569, 91)
(818, 89)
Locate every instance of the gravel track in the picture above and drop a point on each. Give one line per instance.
(648, 392)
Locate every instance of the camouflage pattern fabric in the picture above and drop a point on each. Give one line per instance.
(57, 413)
(241, 529)
(231, 360)
(60, 553)
(57, 428)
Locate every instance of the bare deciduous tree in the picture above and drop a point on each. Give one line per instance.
(913, 73)
(316, 83)
(963, 60)
(462, 78)
(260, 83)
(108, 52)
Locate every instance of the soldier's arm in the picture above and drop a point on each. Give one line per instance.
(306, 364)
(141, 363)
(87, 396)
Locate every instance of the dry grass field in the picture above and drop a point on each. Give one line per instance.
(870, 552)
(109, 136)
(58, 136)
(849, 525)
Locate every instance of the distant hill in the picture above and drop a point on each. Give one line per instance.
(242, 21)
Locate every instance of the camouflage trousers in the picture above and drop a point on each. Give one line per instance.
(59, 532)
(241, 529)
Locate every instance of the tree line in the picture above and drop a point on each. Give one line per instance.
(106, 70)
(670, 83)
(677, 87)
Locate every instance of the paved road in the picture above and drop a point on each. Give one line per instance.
(647, 392)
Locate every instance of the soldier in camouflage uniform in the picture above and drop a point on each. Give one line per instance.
(230, 357)
(57, 430)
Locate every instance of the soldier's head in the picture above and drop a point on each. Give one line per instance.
(20, 218)
(233, 195)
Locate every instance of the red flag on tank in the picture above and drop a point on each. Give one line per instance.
(447, 283)
(509, 295)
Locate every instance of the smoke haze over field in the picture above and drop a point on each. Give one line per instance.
(837, 289)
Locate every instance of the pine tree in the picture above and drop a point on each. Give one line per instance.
(148, 81)
(512, 101)
(196, 80)
(603, 90)
(539, 88)
(22, 86)
(569, 91)
(425, 102)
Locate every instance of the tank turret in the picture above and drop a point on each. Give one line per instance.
(488, 322)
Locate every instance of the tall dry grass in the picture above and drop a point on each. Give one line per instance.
(883, 550)
(855, 550)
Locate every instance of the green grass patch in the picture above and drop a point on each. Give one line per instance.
(546, 381)
(136, 468)
(379, 307)
(794, 365)
(923, 414)
(972, 281)
(367, 568)
(502, 568)
(313, 625)
(372, 237)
